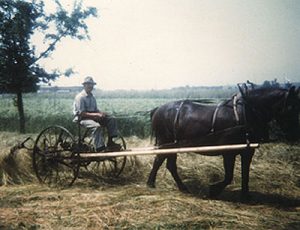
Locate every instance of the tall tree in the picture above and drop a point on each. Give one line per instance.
(19, 20)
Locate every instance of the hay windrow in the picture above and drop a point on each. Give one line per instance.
(126, 203)
(15, 163)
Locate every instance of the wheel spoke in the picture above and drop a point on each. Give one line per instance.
(52, 157)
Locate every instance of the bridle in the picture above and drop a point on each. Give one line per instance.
(263, 115)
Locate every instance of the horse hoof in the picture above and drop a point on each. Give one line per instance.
(184, 190)
(150, 185)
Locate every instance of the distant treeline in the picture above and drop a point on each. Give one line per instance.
(187, 92)
(178, 92)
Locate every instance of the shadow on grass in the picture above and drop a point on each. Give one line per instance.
(93, 180)
(198, 189)
(259, 198)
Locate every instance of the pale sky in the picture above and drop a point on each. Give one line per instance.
(155, 44)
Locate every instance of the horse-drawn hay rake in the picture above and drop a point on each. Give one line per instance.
(182, 126)
(58, 155)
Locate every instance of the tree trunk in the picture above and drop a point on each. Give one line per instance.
(21, 112)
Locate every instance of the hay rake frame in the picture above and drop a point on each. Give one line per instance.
(58, 156)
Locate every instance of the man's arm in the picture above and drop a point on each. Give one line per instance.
(96, 116)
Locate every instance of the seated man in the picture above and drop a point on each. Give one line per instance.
(86, 112)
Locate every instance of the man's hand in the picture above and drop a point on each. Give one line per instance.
(96, 116)
(100, 116)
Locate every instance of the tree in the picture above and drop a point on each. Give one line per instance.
(19, 20)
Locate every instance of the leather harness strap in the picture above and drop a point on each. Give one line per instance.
(236, 115)
(235, 110)
(176, 120)
(215, 117)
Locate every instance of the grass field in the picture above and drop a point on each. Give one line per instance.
(131, 108)
(41, 111)
(126, 203)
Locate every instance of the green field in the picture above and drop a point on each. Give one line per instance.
(45, 110)
(132, 109)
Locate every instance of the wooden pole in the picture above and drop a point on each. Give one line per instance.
(154, 151)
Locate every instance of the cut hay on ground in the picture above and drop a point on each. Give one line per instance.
(126, 203)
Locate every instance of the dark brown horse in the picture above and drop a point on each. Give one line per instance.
(241, 119)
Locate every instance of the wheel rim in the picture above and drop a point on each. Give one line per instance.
(54, 160)
(112, 166)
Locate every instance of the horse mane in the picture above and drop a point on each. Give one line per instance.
(259, 94)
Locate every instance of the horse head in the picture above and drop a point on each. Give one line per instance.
(279, 104)
(287, 115)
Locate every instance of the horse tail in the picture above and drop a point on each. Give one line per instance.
(153, 131)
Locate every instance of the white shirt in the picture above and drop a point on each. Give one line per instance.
(84, 102)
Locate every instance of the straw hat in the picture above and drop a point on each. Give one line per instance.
(88, 80)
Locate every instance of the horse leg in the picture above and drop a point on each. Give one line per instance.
(228, 162)
(246, 158)
(159, 159)
(172, 167)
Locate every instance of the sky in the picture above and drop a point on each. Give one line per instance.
(161, 44)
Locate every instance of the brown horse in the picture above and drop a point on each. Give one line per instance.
(242, 119)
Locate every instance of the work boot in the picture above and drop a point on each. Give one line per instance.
(113, 147)
(101, 149)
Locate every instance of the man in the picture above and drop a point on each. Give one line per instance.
(87, 113)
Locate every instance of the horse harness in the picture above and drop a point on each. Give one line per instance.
(176, 121)
(214, 118)
(236, 115)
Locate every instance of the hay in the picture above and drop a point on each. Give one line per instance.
(15, 162)
(126, 202)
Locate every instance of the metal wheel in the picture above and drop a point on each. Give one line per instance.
(54, 160)
(111, 166)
